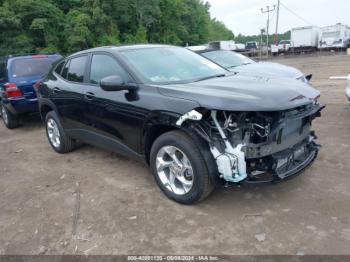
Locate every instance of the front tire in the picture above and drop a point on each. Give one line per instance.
(10, 120)
(179, 168)
(58, 139)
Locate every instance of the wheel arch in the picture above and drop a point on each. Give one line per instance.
(151, 134)
(45, 106)
(155, 129)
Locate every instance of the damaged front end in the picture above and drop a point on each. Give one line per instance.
(257, 147)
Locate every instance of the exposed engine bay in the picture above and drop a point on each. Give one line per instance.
(257, 147)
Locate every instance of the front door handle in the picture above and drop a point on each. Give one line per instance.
(56, 90)
(89, 95)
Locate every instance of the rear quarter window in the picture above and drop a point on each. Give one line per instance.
(59, 67)
(76, 69)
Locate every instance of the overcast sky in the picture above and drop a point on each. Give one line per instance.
(244, 16)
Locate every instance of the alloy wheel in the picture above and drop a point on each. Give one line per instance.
(4, 115)
(174, 170)
(53, 133)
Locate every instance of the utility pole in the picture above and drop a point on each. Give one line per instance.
(262, 31)
(277, 20)
(268, 11)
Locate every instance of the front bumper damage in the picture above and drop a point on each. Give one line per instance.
(257, 148)
(287, 164)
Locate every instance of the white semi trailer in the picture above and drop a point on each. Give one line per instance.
(334, 37)
(305, 39)
(227, 45)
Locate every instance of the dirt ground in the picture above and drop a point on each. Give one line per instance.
(122, 211)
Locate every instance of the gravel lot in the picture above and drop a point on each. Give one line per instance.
(122, 211)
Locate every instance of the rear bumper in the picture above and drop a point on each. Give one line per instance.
(20, 106)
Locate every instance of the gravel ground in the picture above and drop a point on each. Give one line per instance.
(122, 211)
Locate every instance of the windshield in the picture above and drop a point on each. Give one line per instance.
(284, 42)
(251, 45)
(30, 67)
(228, 59)
(331, 34)
(165, 65)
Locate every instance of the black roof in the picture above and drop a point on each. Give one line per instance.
(121, 48)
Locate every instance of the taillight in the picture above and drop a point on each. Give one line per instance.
(11, 90)
(37, 85)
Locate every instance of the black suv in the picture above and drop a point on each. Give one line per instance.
(197, 125)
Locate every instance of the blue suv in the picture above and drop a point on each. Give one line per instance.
(19, 75)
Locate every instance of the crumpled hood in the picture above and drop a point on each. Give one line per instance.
(268, 69)
(244, 93)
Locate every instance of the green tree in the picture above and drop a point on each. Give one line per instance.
(67, 26)
(77, 30)
(218, 31)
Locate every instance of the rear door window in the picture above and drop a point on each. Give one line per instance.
(30, 67)
(76, 69)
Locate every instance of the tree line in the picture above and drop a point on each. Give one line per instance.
(257, 38)
(66, 26)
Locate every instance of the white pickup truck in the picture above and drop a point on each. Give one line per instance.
(284, 46)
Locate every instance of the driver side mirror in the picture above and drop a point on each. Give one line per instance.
(115, 83)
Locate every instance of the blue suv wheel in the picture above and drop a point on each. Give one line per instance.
(9, 119)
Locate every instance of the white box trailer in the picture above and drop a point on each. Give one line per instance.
(334, 37)
(305, 39)
(197, 47)
(229, 45)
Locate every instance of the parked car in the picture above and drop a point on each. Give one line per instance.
(18, 75)
(197, 125)
(239, 63)
(252, 45)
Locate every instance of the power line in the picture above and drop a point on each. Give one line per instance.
(295, 14)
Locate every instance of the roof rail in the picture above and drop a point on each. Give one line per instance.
(28, 54)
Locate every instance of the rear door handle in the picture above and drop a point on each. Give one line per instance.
(89, 95)
(56, 90)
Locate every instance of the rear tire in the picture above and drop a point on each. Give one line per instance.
(58, 139)
(198, 186)
(10, 120)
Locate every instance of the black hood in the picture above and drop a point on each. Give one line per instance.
(244, 93)
(268, 69)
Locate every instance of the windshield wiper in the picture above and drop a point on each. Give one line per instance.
(210, 77)
(233, 66)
